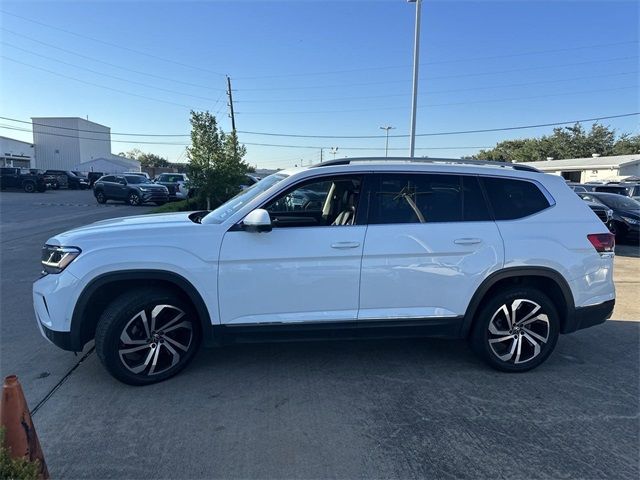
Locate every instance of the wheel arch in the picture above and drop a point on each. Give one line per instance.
(104, 288)
(549, 281)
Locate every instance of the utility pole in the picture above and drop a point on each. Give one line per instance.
(386, 145)
(334, 150)
(230, 104)
(416, 61)
(321, 155)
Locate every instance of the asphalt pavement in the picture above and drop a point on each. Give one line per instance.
(367, 409)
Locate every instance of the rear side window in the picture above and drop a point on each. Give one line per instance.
(511, 199)
(427, 198)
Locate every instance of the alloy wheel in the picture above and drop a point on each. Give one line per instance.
(519, 331)
(134, 199)
(155, 340)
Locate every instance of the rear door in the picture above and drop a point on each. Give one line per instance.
(429, 244)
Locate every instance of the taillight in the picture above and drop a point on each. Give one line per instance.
(602, 242)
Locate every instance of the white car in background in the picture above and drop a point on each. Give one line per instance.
(177, 183)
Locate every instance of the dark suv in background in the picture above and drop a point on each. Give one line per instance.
(13, 177)
(131, 189)
(68, 179)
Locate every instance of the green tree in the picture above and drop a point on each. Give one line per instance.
(146, 159)
(565, 142)
(627, 145)
(216, 168)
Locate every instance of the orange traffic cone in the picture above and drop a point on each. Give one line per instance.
(20, 435)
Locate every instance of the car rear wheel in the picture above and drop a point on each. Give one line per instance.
(516, 330)
(29, 187)
(133, 199)
(147, 335)
(100, 198)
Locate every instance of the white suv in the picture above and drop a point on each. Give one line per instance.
(500, 254)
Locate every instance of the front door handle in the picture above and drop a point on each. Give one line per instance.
(343, 245)
(467, 241)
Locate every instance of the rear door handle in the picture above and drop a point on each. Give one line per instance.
(343, 245)
(467, 241)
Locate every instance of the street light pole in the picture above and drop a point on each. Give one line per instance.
(334, 150)
(416, 61)
(386, 145)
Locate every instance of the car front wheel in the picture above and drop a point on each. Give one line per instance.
(516, 330)
(134, 199)
(146, 336)
(100, 198)
(29, 187)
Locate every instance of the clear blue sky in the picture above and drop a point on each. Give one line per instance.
(320, 68)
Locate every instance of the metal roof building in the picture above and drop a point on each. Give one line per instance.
(594, 168)
(110, 164)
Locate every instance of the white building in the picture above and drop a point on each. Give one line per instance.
(14, 153)
(582, 170)
(111, 164)
(64, 142)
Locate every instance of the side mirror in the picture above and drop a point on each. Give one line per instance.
(257, 221)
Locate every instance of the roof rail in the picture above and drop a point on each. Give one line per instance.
(456, 161)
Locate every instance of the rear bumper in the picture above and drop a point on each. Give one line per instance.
(585, 317)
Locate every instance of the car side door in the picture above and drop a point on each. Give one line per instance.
(119, 188)
(307, 268)
(430, 242)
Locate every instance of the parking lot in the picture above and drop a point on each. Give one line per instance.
(394, 408)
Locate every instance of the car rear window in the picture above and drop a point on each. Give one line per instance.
(427, 198)
(511, 198)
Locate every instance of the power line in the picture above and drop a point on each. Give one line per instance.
(182, 144)
(441, 62)
(475, 102)
(106, 74)
(292, 135)
(97, 60)
(462, 75)
(129, 49)
(190, 107)
(434, 92)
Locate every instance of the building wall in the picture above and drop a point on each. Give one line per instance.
(14, 153)
(59, 143)
(591, 175)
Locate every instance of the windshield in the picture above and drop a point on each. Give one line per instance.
(137, 179)
(229, 208)
(618, 202)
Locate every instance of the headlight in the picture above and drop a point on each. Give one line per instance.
(55, 259)
(143, 189)
(632, 221)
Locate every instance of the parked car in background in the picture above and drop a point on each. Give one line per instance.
(394, 247)
(603, 212)
(176, 183)
(626, 212)
(131, 189)
(68, 179)
(13, 177)
(93, 176)
(577, 187)
(51, 181)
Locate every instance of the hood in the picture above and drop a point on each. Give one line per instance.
(124, 227)
(635, 214)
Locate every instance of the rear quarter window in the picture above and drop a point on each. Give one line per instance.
(511, 198)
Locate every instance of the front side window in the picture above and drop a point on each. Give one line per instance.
(427, 198)
(330, 201)
(511, 198)
(108, 178)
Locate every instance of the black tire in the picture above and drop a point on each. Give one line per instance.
(121, 328)
(503, 339)
(620, 231)
(134, 199)
(29, 187)
(100, 197)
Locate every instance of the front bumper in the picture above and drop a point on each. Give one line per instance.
(585, 317)
(155, 196)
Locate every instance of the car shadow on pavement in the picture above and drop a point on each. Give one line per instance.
(628, 249)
